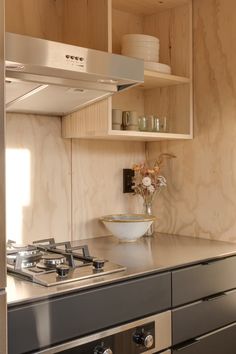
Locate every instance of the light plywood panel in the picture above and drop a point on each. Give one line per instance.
(200, 200)
(97, 183)
(146, 7)
(174, 30)
(124, 23)
(78, 22)
(38, 164)
(130, 100)
(91, 121)
(153, 79)
(144, 136)
(172, 103)
(36, 18)
(85, 23)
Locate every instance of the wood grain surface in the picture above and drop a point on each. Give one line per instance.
(200, 199)
(38, 189)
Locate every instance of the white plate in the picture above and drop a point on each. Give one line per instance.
(141, 53)
(162, 68)
(139, 37)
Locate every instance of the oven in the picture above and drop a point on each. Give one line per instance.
(148, 335)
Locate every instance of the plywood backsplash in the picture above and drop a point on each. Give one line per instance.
(38, 165)
(59, 187)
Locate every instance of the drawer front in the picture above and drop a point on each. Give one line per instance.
(220, 342)
(201, 317)
(71, 316)
(193, 283)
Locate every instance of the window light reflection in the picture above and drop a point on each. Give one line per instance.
(18, 167)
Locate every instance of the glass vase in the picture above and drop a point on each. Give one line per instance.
(147, 209)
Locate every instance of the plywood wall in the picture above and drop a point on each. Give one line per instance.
(58, 187)
(97, 183)
(38, 190)
(78, 22)
(201, 196)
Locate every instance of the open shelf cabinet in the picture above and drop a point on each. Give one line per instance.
(162, 95)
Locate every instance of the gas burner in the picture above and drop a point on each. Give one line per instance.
(51, 260)
(19, 261)
(49, 263)
(13, 248)
(24, 262)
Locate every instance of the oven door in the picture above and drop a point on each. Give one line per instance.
(148, 335)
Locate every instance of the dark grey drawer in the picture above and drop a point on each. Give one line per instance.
(220, 342)
(60, 319)
(193, 283)
(201, 317)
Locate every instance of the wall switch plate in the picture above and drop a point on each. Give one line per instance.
(128, 175)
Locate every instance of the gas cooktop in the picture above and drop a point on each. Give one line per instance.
(49, 263)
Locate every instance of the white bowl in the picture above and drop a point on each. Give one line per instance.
(128, 227)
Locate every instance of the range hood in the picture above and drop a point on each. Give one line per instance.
(46, 77)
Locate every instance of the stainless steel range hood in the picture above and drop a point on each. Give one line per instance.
(46, 77)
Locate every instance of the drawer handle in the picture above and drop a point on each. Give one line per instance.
(186, 345)
(214, 297)
(212, 261)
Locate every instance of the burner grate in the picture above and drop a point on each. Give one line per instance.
(44, 261)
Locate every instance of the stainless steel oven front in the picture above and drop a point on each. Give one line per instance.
(148, 335)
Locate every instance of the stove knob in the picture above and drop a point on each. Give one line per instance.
(144, 339)
(102, 350)
(62, 270)
(98, 264)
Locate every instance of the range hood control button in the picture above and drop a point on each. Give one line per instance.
(81, 59)
(67, 56)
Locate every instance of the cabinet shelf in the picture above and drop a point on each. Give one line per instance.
(147, 7)
(154, 79)
(146, 136)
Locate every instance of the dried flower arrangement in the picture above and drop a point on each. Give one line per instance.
(147, 180)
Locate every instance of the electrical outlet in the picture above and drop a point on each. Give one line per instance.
(128, 175)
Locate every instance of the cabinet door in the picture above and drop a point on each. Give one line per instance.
(203, 316)
(219, 342)
(193, 283)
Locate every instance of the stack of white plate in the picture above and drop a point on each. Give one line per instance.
(162, 68)
(141, 46)
(144, 47)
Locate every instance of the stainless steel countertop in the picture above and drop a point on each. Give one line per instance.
(156, 254)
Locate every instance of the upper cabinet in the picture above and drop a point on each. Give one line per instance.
(101, 25)
(161, 95)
